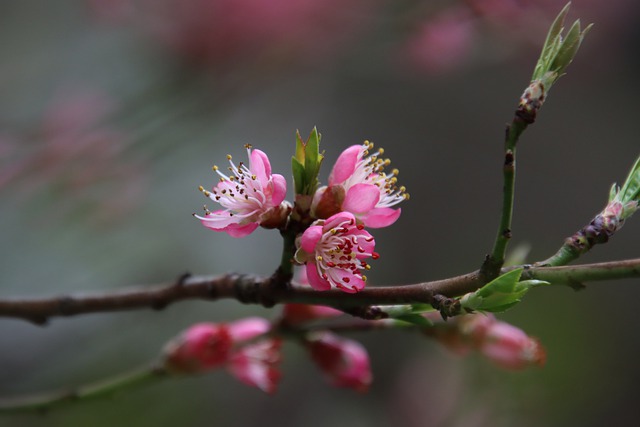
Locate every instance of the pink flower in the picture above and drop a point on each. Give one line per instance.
(207, 346)
(250, 195)
(511, 348)
(344, 362)
(334, 251)
(358, 184)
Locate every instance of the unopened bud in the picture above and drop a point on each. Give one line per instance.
(511, 348)
(202, 347)
(327, 201)
(344, 362)
(277, 216)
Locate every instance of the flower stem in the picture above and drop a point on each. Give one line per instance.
(494, 262)
(45, 402)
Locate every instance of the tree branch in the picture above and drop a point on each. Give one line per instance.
(249, 289)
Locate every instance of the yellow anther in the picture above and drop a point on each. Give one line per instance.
(254, 177)
(229, 157)
(403, 189)
(395, 171)
(364, 278)
(201, 188)
(214, 168)
(380, 151)
(318, 258)
(367, 267)
(248, 146)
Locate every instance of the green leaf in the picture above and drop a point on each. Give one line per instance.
(499, 294)
(558, 51)
(298, 175)
(306, 163)
(631, 188)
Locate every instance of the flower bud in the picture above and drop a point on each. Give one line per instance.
(344, 362)
(257, 364)
(277, 216)
(202, 347)
(511, 348)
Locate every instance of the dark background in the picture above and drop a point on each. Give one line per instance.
(112, 114)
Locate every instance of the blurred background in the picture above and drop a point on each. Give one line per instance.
(113, 112)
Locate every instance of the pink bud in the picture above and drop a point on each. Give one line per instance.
(202, 347)
(344, 362)
(257, 364)
(249, 328)
(294, 314)
(511, 348)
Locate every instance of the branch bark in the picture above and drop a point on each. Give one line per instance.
(268, 291)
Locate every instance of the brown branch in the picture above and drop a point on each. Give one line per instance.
(249, 289)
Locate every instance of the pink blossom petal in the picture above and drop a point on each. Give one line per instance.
(381, 217)
(354, 285)
(218, 220)
(235, 230)
(279, 189)
(248, 328)
(260, 166)
(310, 238)
(361, 198)
(316, 282)
(256, 365)
(345, 165)
(338, 220)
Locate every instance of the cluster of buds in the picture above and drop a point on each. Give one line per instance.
(235, 346)
(334, 244)
(503, 344)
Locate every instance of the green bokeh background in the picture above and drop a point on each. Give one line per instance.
(442, 130)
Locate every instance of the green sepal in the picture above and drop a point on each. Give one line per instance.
(500, 294)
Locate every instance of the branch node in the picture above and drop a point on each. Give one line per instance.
(182, 279)
(66, 305)
(448, 307)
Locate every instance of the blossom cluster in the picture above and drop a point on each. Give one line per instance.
(336, 245)
(247, 351)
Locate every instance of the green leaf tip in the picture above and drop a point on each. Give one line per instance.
(500, 294)
(306, 163)
(558, 51)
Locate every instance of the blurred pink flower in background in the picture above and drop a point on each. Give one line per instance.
(456, 34)
(503, 344)
(75, 154)
(207, 346)
(227, 33)
(344, 362)
(442, 42)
